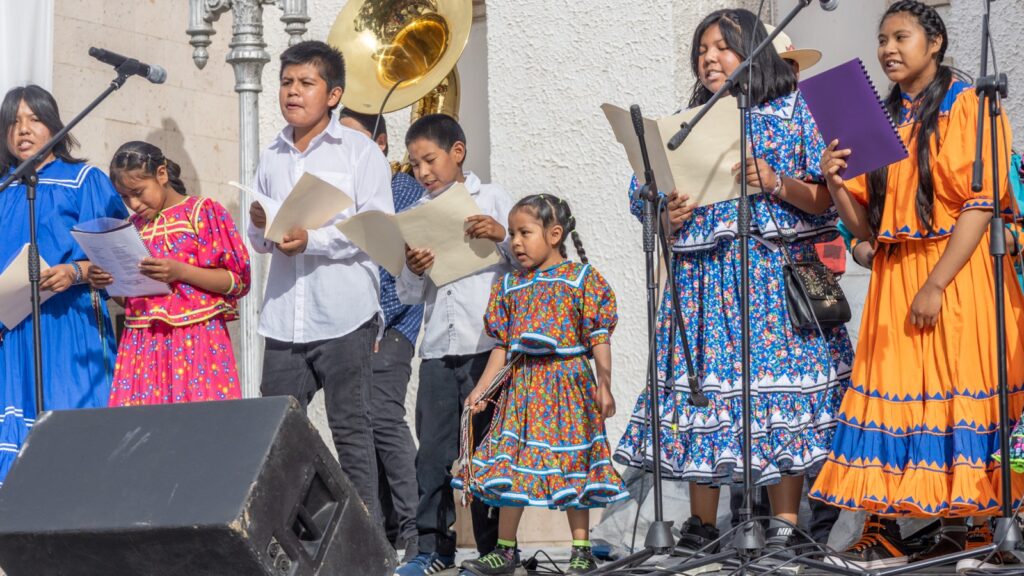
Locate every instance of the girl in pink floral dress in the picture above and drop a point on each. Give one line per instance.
(547, 444)
(175, 347)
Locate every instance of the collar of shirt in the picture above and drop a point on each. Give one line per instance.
(286, 137)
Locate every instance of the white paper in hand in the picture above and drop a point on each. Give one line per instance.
(16, 292)
(702, 167)
(116, 247)
(439, 225)
(312, 203)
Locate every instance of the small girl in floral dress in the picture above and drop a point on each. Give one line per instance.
(175, 347)
(547, 444)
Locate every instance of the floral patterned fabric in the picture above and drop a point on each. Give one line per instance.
(176, 347)
(797, 377)
(547, 444)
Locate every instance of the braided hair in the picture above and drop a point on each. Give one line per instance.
(138, 155)
(554, 211)
(927, 119)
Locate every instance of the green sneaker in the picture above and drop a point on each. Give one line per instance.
(503, 561)
(582, 560)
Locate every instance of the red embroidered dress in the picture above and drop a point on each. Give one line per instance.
(175, 347)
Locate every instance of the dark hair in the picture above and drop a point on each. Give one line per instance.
(770, 76)
(369, 122)
(926, 118)
(44, 106)
(138, 155)
(553, 211)
(327, 59)
(441, 129)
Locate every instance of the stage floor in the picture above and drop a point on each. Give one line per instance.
(561, 556)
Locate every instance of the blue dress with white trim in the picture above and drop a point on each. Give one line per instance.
(78, 340)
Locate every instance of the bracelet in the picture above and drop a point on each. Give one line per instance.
(778, 187)
(78, 273)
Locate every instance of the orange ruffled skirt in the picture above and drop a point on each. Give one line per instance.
(919, 425)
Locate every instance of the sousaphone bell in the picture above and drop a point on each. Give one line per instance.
(399, 51)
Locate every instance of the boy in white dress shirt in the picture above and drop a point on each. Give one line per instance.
(321, 313)
(454, 349)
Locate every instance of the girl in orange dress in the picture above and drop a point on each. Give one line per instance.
(919, 424)
(175, 347)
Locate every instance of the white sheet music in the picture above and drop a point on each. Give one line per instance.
(116, 247)
(16, 292)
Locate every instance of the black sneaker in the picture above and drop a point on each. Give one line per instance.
(948, 540)
(879, 547)
(697, 537)
(502, 561)
(582, 560)
(781, 540)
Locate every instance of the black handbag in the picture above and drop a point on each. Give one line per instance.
(814, 296)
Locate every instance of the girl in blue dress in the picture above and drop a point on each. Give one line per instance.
(797, 377)
(78, 340)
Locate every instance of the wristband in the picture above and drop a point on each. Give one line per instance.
(78, 273)
(778, 187)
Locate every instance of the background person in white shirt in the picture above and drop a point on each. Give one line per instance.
(321, 311)
(454, 348)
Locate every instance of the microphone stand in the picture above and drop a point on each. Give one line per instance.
(991, 88)
(659, 538)
(26, 172)
(749, 538)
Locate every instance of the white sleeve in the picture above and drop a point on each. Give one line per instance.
(260, 245)
(503, 204)
(371, 191)
(410, 288)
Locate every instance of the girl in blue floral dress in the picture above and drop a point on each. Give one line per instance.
(547, 444)
(797, 377)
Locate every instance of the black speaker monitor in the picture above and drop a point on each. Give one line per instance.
(237, 488)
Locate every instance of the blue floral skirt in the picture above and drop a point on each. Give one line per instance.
(797, 377)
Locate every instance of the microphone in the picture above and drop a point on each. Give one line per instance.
(829, 5)
(638, 119)
(152, 72)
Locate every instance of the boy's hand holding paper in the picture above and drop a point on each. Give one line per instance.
(311, 204)
(434, 236)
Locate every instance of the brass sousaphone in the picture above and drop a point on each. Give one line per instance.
(400, 52)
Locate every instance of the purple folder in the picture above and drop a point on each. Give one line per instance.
(846, 106)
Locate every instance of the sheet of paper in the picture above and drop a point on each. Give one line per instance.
(269, 205)
(377, 233)
(622, 125)
(702, 166)
(440, 225)
(311, 204)
(16, 292)
(115, 246)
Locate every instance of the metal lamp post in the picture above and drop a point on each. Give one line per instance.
(247, 57)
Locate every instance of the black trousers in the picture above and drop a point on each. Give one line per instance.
(444, 385)
(396, 451)
(341, 368)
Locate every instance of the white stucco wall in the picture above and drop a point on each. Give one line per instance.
(964, 24)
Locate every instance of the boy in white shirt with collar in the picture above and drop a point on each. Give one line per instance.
(454, 348)
(321, 313)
